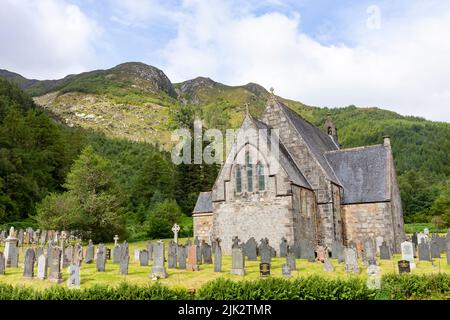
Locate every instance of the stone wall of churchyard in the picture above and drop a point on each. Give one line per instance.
(304, 205)
(368, 220)
(202, 225)
(308, 165)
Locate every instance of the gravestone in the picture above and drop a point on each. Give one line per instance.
(235, 242)
(20, 237)
(237, 261)
(28, 263)
(250, 249)
(175, 230)
(264, 269)
(283, 247)
(196, 241)
(327, 265)
(207, 254)
(90, 252)
(374, 277)
(385, 251)
(158, 269)
(408, 252)
(74, 276)
(218, 257)
(181, 256)
(378, 243)
(38, 251)
(150, 250)
(2, 263)
(351, 260)
(14, 254)
(265, 252)
(101, 258)
(43, 238)
(421, 236)
(116, 254)
(124, 259)
(137, 253)
(404, 266)
(296, 249)
(369, 252)
(68, 256)
(55, 266)
(10, 248)
(435, 248)
(49, 252)
(172, 255)
(77, 254)
(424, 251)
(290, 259)
(199, 254)
(285, 270)
(42, 267)
(188, 243)
(108, 253)
(192, 264)
(143, 258)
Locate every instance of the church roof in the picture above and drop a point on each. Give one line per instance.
(318, 141)
(362, 172)
(204, 203)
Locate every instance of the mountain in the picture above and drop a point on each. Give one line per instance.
(138, 102)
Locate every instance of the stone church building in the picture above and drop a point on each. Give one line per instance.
(303, 187)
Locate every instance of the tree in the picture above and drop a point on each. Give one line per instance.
(161, 218)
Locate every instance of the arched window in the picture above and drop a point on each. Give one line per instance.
(238, 180)
(249, 169)
(261, 177)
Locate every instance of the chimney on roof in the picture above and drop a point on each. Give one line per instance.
(331, 129)
(387, 141)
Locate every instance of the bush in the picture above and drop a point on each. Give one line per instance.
(161, 218)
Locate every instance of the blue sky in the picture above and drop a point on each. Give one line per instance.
(390, 54)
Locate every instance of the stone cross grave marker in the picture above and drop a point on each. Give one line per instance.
(158, 269)
(116, 238)
(237, 261)
(55, 266)
(218, 256)
(42, 267)
(172, 255)
(28, 263)
(351, 260)
(181, 256)
(175, 230)
(124, 259)
(192, 264)
(101, 258)
(250, 249)
(143, 258)
(74, 276)
(283, 247)
(90, 252)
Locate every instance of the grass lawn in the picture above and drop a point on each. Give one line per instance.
(185, 279)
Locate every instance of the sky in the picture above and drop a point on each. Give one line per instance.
(389, 54)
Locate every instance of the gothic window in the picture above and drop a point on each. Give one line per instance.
(261, 177)
(249, 169)
(238, 180)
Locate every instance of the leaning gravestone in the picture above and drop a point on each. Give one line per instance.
(283, 247)
(424, 251)
(55, 266)
(158, 269)
(250, 249)
(74, 276)
(172, 255)
(192, 264)
(90, 252)
(143, 258)
(217, 257)
(101, 258)
(181, 257)
(351, 260)
(237, 261)
(124, 259)
(28, 263)
(42, 267)
(2, 263)
(385, 251)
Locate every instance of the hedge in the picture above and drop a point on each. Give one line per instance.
(394, 286)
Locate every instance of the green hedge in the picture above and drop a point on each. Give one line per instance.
(394, 286)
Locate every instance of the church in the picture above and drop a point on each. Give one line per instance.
(299, 184)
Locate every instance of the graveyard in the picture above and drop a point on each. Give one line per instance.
(139, 267)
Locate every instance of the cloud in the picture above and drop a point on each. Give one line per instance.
(401, 64)
(46, 38)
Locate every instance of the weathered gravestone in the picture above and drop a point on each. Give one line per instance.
(369, 251)
(207, 254)
(55, 266)
(42, 267)
(237, 261)
(374, 277)
(290, 259)
(124, 259)
(351, 260)
(14, 255)
(158, 269)
(265, 252)
(43, 238)
(192, 264)
(116, 254)
(175, 230)
(283, 247)
(407, 249)
(11, 249)
(404, 266)
(28, 263)
(235, 242)
(2, 263)
(181, 257)
(77, 254)
(385, 251)
(101, 258)
(264, 269)
(414, 239)
(150, 250)
(90, 252)
(38, 251)
(435, 248)
(199, 254)
(285, 270)
(424, 251)
(327, 265)
(143, 258)
(218, 257)
(250, 249)
(172, 255)
(74, 276)
(20, 237)
(68, 256)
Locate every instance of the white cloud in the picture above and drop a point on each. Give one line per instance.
(46, 38)
(404, 66)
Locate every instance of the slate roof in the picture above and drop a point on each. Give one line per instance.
(318, 141)
(204, 203)
(362, 172)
